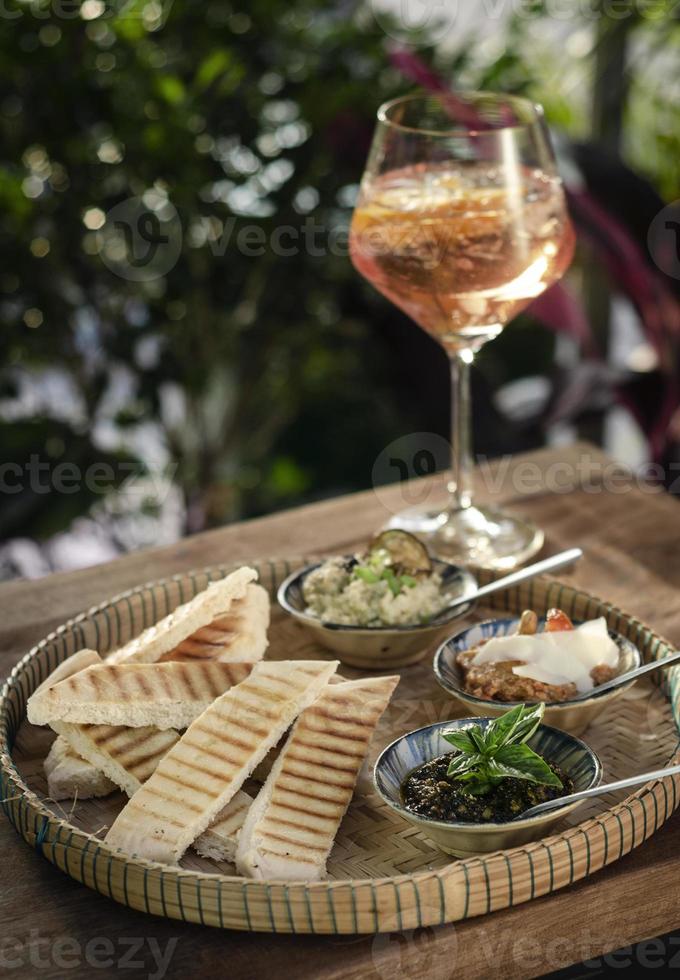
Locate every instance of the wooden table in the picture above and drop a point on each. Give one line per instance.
(631, 537)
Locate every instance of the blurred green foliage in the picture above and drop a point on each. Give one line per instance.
(241, 120)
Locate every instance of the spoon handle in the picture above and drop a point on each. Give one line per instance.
(585, 794)
(631, 675)
(521, 575)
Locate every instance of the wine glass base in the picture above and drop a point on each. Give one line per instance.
(473, 536)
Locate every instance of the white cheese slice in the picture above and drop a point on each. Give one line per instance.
(565, 657)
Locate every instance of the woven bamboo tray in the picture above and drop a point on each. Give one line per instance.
(384, 875)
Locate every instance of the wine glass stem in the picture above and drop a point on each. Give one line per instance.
(460, 486)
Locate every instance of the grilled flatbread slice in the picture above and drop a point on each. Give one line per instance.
(238, 634)
(70, 777)
(166, 695)
(128, 756)
(78, 661)
(210, 604)
(291, 826)
(204, 770)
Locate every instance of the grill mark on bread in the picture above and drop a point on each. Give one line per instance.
(335, 751)
(188, 681)
(184, 782)
(214, 754)
(327, 763)
(145, 687)
(301, 828)
(194, 767)
(227, 739)
(344, 719)
(307, 795)
(169, 798)
(323, 729)
(305, 811)
(265, 695)
(284, 771)
(141, 764)
(289, 842)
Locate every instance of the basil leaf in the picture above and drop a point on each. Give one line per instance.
(477, 736)
(521, 762)
(528, 723)
(461, 739)
(463, 763)
(516, 725)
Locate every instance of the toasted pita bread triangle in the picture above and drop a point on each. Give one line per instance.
(127, 756)
(78, 661)
(82, 755)
(238, 634)
(70, 777)
(202, 773)
(291, 826)
(169, 695)
(212, 603)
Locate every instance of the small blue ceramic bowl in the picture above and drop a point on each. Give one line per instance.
(570, 716)
(462, 839)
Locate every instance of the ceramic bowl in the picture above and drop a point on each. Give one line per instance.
(378, 647)
(464, 839)
(571, 716)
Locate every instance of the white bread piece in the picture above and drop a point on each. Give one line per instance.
(70, 777)
(238, 634)
(204, 770)
(167, 695)
(290, 828)
(186, 619)
(219, 841)
(78, 661)
(127, 756)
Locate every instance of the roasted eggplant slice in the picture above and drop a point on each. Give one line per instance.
(408, 554)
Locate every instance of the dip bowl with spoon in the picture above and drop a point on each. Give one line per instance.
(462, 838)
(381, 647)
(573, 715)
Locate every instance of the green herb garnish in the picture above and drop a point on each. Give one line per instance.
(487, 756)
(377, 567)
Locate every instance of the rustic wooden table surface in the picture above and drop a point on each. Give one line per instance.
(52, 927)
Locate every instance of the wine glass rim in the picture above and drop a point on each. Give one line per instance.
(423, 94)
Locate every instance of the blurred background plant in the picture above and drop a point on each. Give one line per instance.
(245, 366)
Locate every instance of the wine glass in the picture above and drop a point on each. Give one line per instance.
(461, 222)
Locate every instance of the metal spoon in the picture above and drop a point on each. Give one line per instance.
(585, 794)
(630, 675)
(521, 575)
